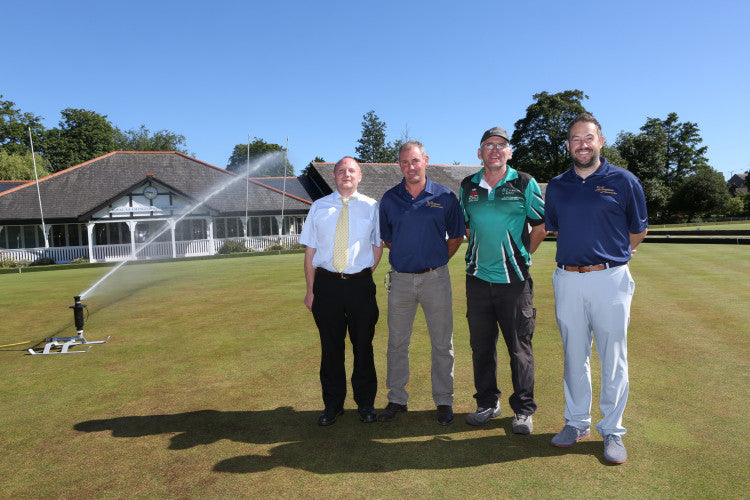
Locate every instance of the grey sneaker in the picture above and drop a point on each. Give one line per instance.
(483, 415)
(569, 436)
(614, 450)
(523, 424)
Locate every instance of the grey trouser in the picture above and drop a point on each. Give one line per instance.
(433, 291)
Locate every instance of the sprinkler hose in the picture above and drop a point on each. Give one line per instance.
(18, 343)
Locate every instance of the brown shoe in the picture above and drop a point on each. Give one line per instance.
(390, 411)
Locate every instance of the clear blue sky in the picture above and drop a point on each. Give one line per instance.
(216, 71)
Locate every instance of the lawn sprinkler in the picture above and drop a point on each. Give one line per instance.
(65, 343)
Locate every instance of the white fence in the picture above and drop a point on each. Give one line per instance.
(154, 250)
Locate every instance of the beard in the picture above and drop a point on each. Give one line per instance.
(593, 161)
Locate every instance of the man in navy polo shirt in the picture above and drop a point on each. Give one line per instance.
(599, 213)
(415, 217)
(499, 205)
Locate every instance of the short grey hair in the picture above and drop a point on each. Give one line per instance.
(412, 144)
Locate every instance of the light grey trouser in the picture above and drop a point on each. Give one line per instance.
(588, 306)
(433, 291)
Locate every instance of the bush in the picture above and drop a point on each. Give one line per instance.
(43, 261)
(232, 246)
(275, 248)
(6, 262)
(80, 260)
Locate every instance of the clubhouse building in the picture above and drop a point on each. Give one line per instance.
(150, 205)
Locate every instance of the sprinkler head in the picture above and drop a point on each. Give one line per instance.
(78, 313)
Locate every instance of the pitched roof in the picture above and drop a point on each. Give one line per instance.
(73, 193)
(6, 185)
(291, 186)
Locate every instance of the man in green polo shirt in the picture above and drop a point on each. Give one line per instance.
(504, 214)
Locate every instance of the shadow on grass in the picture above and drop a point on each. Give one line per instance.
(413, 441)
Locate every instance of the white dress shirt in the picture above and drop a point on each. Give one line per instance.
(319, 231)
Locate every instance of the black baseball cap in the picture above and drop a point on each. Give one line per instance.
(495, 132)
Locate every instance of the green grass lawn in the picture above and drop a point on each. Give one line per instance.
(209, 388)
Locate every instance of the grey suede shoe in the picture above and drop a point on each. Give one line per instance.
(569, 436)
(614, 450)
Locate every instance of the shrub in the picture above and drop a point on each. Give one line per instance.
(275, 248)
(7, 262)
(43, 261)
(80, 260)
(233, 246)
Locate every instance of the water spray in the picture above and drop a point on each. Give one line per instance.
(65, 343)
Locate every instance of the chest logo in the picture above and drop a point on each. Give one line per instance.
(432, 204)
(473, 196)
(605, 190)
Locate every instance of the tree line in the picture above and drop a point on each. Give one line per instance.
(666, 154)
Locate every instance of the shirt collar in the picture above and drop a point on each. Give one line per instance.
(338, 195)
(429, 186)
(510, 174)
(603, 169)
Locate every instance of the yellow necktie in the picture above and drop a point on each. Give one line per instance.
(341, 240)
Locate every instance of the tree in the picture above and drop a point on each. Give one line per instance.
(82, 136)
(372, 145)
(263, 163)
(679, 143)
(539, 138)
(703, 193)
(613, 156)
(14, 129)
(662, 156)
(142, 140)
(20, 167)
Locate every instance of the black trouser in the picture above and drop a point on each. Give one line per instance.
(510, 306)
(339, 304)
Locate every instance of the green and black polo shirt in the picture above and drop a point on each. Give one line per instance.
(499, 242)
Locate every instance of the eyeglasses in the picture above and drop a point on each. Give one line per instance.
(489, 146)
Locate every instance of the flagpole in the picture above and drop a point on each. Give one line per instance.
(38, 193)
(283, 196)
(247, 184)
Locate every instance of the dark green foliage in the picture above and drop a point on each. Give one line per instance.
(142, 140)
(373, 147)
(232, 246)
(43, 261)
(82, 136)
(670, 162)
(271, 167)
(14, 129)
(538, 140)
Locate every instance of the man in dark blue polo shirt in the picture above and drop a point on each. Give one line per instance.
(415, 217)
(599, 213)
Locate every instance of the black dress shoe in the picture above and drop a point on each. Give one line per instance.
(328, 417)
(367, 415)
(445, 414)
(390, 411)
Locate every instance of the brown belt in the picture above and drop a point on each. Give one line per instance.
(588, 269)
(364, 272)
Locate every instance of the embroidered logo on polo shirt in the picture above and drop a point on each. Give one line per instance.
(473, 196)
(604, 190)
(432, 204)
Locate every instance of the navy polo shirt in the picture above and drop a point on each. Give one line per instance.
(594, 216)
(416, 227)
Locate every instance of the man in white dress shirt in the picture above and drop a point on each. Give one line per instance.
(340, 288)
